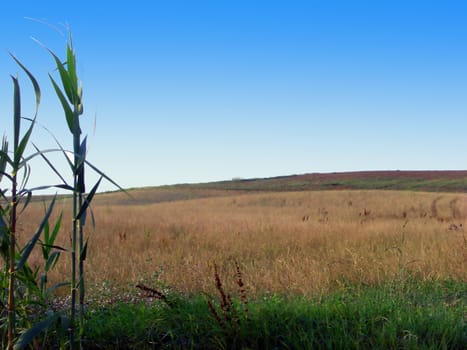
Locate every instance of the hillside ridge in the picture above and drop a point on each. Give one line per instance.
(429, 181)
(432, 180)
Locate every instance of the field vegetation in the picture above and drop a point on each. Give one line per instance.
(393, 254)
(288, 242)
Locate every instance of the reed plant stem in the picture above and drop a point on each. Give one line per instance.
(19, 145)
(11, 282)
(77, 232)
(73, 270)
(81, 264)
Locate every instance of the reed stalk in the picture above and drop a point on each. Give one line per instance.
(70, 96)
(71, 100)
(11, 282)
(16, 164)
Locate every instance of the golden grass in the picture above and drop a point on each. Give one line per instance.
(290, 242)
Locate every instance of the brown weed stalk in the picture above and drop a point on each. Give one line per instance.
(228, 317)
(241, 288)
(154, 293)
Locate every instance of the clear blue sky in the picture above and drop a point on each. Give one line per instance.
(195, 91)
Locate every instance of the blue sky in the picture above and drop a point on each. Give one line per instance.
(196, 91)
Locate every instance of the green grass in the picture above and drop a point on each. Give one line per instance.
(413, 315)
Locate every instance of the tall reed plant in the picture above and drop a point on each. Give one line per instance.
(18, 279)
(70, 94)
(21, 322)
(71, 100)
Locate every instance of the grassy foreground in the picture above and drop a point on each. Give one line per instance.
(411, 315)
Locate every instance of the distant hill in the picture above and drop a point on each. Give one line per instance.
(430, 181)
(436, 181)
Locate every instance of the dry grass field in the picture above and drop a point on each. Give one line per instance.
(285, 242)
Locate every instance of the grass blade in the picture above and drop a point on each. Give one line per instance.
(60, 149)
(69, 115)
(71, 65)
(27, 337)
(88, 200)
(49, 150)
(45, 249)
(53, 246)
(16, 115)
(46, 187)
(32, 242)
(3, 156)
(28, 200)
(37, 89)
(65, 78)
(82, 256)
(56, 229)
(106, 177)
(25, 178)
(22, 146)
(19, 146)
(52, 260)
(49, 163)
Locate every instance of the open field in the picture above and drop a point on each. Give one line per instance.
(293, 243)
(347, 269)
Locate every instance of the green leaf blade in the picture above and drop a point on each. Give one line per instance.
(37, 90)
(71, 65)
(88, 200)
(16, 114)
(4, 159)
(27, 337)
(52, 260)
(32, 242)
(19, 150)
(65, 79)
(70, 116)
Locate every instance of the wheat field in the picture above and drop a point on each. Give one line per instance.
(294, 243)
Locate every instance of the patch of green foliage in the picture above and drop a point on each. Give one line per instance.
(412, 315)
